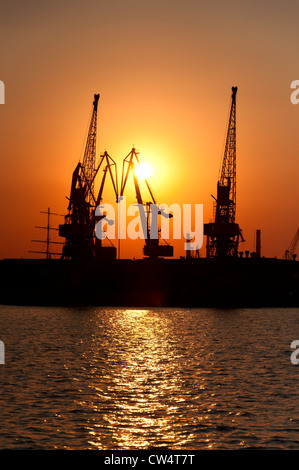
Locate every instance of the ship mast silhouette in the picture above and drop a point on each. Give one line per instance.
(223, 234)
(48, 252)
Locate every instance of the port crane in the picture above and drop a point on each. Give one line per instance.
(79, 227)
(290, 252)
(224, 233)
(152, 248)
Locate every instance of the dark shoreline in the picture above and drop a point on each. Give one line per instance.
(226, 283)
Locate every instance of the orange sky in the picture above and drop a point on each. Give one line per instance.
(164, 70)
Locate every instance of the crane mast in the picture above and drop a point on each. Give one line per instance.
(228, 169)
(223, 234)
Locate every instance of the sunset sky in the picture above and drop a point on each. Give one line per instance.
(164, 70)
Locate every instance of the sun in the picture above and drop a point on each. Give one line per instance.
(144, 170)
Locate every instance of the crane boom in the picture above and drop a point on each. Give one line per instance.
(228, 169)
(89, 158)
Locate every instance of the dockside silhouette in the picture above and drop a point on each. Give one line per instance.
(89, 272)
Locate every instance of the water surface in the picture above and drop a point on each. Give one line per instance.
(109, 378)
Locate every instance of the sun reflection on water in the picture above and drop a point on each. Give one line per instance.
(141, 390)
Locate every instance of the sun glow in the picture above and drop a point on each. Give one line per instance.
(144, 170)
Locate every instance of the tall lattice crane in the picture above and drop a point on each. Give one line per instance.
(79, 227)
(223, 234)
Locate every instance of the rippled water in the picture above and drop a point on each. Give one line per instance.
(104, 378)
